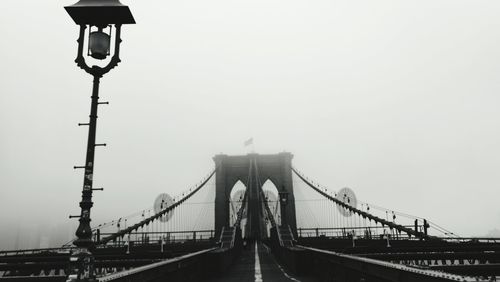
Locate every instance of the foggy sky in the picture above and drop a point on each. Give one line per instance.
(396, 99)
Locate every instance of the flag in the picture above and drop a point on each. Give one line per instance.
(248, 142)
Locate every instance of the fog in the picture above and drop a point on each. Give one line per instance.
(396, 99)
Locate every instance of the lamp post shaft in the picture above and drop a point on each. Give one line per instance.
(283, 214)
(84, 232)
(88, 14)
(283, 199)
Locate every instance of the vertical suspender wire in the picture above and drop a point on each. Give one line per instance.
(324, 210)
(343, 218)
(328, 214)
(169, 222)
(181, 215)
(321, 206)
(176, 216)
(359, 223)
(335, 217)
(356, 221)
(339, 217)
(364, 222)
(332, 214)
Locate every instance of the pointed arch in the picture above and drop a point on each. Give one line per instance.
(253, 170)
(271, 194)
(236, 195)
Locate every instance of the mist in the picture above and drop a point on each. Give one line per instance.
(397, 100)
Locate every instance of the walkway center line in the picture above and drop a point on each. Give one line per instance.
(268, 250)
(258, 274)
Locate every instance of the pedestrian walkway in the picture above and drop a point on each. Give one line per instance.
(256, 264)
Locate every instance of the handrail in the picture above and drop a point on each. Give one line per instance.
(33, 251)
(242, 209)
(291, 233)
(221, 234)
(166, 232)
(370, 266)
(233, 238)
(279, 236)
(271, 218)
(346, 231)
(136, 270)
(236, 225)
(268, 210)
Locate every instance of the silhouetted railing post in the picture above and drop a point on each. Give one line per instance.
(416, 226)
(426, 226)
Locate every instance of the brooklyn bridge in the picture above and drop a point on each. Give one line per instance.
(258, 218)
(253, 217)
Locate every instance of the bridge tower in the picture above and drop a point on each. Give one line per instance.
(253, 170)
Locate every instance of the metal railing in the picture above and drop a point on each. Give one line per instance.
(144, 238)
(36, 251)
(154, 269)
(349, 232)
(365, 268)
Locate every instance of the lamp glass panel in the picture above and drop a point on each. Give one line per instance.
(99, 43)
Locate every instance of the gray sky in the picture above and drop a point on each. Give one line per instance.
(396, 99)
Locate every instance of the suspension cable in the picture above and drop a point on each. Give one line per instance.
(261, 193)
(241, 211)
(384, 222)
(155, 216)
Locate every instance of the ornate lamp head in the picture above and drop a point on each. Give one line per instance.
(99, 44)
(100, 17)
(100, 13)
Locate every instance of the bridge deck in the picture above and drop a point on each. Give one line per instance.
(245, 269)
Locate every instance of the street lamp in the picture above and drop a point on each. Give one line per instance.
(101, 17)
(283, 203)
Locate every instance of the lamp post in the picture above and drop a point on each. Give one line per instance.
(101, 18)
(283, 203)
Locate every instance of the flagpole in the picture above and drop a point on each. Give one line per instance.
(250, 142)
